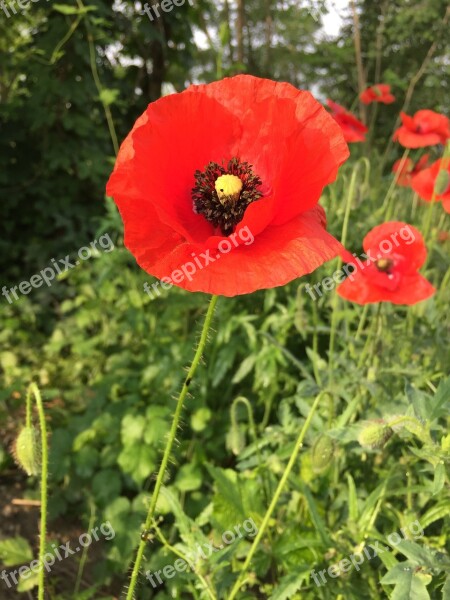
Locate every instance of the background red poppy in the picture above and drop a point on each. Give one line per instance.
(409, 169)
(378, 93)
(353, 129)
(400, 283)
(425, 128)
(434, 182)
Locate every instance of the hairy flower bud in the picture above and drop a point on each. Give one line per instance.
(28, 450)
(375, 434)
(322, 453)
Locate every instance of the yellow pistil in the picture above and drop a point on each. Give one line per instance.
(228, 187)
(384, 264)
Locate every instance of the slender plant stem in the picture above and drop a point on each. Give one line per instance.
(413, 82)
(85, 551)
(166, 544)
(265, 522)
(386, 206)
(336, 298)
(34, 390)
(429, 218)
(98, 83)
(169, 444)
(362, 321)
(316, 370)
(372, 335)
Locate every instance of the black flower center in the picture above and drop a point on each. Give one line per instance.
(222, 194)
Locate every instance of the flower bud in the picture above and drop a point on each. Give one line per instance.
(28, 450)
(442, 183)
(375, 434)
(322, 453)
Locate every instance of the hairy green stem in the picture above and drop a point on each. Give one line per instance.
(34, 390)
(169, 444)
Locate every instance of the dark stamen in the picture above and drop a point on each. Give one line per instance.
(225, 214)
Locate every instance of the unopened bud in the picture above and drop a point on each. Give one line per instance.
(442, 184)
(28, 450)
(375, 434)
(322, 453)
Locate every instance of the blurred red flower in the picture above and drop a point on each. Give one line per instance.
(353, 129)
(434, 182)
(378, 93)
(425, 128)
(395, 252)
(204, 167)
(409, 169)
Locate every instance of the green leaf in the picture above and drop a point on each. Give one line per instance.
(439, 478)
(108, 97)
(441, 400)
(446, 589)
(352, 499)
(245, 368)
(15, 551)
(409, 584)
(189, 478)
(291, 583)
(66, 9)
(418, 555)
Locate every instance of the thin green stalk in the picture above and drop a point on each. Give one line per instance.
(386, 207)
(170, 442)
(265, 522)
(65, 39)
(315, 313)
(98, 84)
(362, 321)
(415, 201)
(370, 338)
(336, 297)
(254, 434)
(166, 544)
(34, 390)
(85, 552)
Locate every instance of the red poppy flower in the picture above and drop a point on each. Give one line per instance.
(434, 182)
(378, 93)
(409, 169)
(218, 186)
(395, 252)
(426, 128)
(353, 129)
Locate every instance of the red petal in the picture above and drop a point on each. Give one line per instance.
(404, 240)
(359, 289)
(276, 257)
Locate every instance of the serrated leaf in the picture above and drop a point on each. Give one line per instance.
(289, 584)
(441, 400)
(408, 584)
(15, 551)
